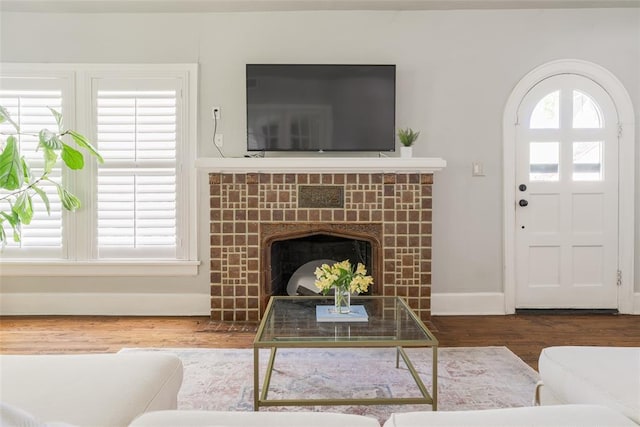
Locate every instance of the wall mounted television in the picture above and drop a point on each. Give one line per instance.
(320, 107)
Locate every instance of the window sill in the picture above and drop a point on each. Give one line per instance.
(99, 268)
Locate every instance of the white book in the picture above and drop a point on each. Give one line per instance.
(327, 313)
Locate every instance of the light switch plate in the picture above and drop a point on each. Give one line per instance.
(477, 169)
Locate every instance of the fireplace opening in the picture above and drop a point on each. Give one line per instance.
(293, 261)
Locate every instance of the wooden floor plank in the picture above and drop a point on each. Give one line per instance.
(524, 334)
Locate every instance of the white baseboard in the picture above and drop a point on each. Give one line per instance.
(105, 304)
(458, 304)
(482, 303)
(145, 304)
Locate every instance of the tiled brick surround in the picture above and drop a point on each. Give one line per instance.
(245, 205)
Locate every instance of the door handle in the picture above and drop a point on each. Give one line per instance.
(523, 203)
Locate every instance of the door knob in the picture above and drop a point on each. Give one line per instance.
(523, 203)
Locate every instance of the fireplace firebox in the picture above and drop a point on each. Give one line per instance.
(286, 247)
(288, 256)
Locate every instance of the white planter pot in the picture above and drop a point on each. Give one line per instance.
(406, 152)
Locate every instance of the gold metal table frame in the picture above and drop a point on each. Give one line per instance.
(290, 322)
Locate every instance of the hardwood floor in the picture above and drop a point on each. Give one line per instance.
(527, 334)
(524, 334)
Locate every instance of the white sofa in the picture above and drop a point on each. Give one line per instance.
(533, 416)
(597, 386)
(607, 376)
(251, 419)
(88, 390)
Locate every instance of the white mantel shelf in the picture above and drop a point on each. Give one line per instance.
(321, 165)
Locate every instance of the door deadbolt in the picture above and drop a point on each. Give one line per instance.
(522, 187)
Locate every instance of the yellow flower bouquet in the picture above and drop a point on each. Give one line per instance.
(344, 280)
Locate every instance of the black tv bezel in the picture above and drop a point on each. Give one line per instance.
(372, 150)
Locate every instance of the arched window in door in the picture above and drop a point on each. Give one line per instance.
(570, 116)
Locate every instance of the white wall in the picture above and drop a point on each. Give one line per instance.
(455, 70)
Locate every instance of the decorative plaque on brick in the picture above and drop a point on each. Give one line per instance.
(320, 196)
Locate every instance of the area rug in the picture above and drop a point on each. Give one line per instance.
(468, 378)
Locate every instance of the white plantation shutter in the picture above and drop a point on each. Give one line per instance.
(29, 108)
(137, 134)
(138, 207)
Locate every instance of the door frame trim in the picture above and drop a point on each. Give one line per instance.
(626, 171)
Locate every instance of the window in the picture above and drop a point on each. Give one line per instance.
(586, 113)
(546, 114)
(544, 159)
(137, 136)
(587, 160)
(137, 205)
(560, 118)
(28, 101)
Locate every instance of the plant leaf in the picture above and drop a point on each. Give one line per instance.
(26, 170)
(58, 117)
(14, 221)
(407, 136)
(11, 174)
(11, 219)
(69, 201)
(84, 143)
(3, 235)
(44, 198)
(6, 117)
(24, 208)
(72, 157)
(50, 159)
(50, 139)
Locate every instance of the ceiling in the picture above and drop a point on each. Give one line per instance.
(190, 6)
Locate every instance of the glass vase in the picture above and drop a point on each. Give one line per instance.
(342, 301)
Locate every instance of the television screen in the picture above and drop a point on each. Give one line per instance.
(320, 107)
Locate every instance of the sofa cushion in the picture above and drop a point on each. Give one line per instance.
(91, 389)
(10, 416)
(594, 375)
(251, 419)
(534, 416)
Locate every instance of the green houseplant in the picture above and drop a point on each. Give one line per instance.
(18, 183)
(407, 137)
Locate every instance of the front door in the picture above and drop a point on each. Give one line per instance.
(566, 196)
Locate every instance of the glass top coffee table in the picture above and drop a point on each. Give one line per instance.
(290, 322)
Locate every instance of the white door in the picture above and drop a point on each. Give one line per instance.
(566, 196)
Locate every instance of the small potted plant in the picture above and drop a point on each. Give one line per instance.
(407, 137)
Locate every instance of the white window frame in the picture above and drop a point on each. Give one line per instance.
(79, 115)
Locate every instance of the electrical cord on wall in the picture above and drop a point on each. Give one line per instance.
(213, 139)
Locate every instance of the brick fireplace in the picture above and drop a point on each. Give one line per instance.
(252, 210)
